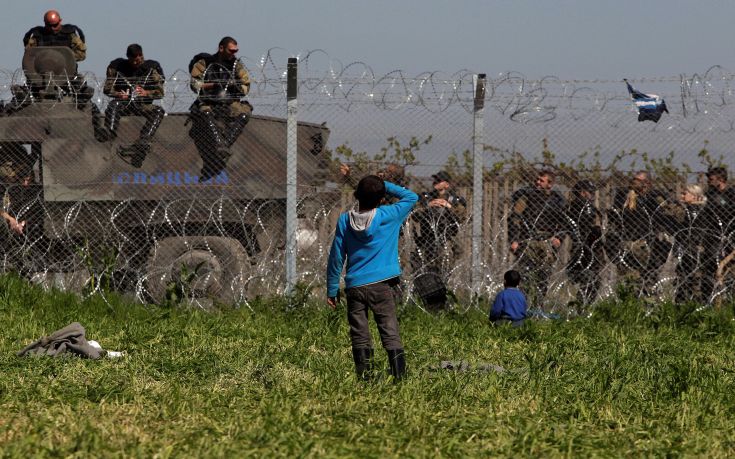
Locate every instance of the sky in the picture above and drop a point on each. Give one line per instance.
(569, 39)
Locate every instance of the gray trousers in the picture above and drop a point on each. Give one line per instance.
(380, 299)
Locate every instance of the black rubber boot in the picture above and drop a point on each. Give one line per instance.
(153, 121)
(236, 128)
(397, 362)
(140, 151)
(363, 363)
(211, 126)
(112, 120)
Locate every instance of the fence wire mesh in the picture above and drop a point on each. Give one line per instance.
(584, 199)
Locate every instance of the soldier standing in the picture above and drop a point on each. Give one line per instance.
(721, 199)
(435, 233)
(535, 228)
(133, 84)
(638, 239)
(220, 81)
(585, 228)
(694, 226)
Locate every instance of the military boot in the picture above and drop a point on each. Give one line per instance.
(101, 133)
(140, 150)
(397, 363)
(236, 128)
(363, 363)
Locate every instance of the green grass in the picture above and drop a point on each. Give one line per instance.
(275, 381)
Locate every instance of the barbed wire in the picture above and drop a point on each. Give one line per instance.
(510, 93)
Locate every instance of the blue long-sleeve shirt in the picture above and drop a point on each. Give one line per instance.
(510, 303)
(371, 253)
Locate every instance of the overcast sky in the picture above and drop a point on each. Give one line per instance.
(571, 39)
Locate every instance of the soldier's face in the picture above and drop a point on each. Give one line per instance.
(136, 61)
(715, 182)
(442, 185)
(53, 24)
(230, 50)
(543, 182)
(640, 183)
(687, 197)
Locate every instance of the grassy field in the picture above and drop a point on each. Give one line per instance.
(278, 382)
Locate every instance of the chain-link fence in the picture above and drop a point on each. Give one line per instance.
(564, 181)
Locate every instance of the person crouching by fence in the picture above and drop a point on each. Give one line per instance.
(509, 306)
(368, 239)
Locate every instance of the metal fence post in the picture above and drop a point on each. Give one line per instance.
(478, 144)
(291, 160)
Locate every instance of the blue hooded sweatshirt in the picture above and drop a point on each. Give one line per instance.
(369, 242)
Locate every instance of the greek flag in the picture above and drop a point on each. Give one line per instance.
(649, 106)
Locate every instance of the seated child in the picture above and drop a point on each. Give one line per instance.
(510, 304)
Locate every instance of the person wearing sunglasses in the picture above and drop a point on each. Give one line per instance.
(221, 82)
(54, 33)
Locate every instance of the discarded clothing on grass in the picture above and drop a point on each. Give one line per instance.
(463, 365)
(70, 340)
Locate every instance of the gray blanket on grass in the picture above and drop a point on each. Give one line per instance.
(463, 365)
(68, 341)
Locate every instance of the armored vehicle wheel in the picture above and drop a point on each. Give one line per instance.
(197, 267)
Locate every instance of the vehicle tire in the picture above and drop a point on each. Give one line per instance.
(197, 267)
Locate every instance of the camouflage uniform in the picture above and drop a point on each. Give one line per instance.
(222, 103)
(638, 241)
(122, 76)
(587, 254)
(536, 217)
(69, 36)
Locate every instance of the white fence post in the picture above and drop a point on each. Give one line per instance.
(291, 168)
(478, 145)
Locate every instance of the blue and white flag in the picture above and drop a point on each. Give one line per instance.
(649, 106)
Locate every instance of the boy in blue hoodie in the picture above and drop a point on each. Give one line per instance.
(510, 304)
(367, 239)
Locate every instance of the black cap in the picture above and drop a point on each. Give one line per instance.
(442, 176)
(718, 171)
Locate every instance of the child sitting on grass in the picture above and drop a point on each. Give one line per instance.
(368, 239)
(510, 304)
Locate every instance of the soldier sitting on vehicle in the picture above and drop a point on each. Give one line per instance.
(52, 34)
(133, 84)
(220, 81)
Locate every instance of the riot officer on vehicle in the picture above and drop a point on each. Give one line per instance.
(133, 84)
(220, 81)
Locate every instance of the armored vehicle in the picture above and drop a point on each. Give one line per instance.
(153, 225)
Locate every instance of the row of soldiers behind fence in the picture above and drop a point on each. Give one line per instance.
(643, 227)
